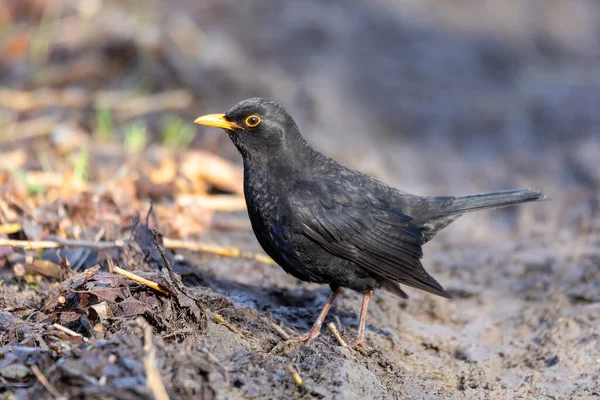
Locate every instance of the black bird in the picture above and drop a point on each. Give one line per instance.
(325, 223)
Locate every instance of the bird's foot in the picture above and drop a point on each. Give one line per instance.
(307, 338)
(359, 345)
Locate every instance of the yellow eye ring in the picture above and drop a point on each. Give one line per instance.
(253, 121)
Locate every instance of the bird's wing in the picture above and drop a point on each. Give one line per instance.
(365, 230)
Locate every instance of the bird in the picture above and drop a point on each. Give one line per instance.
(325, 223)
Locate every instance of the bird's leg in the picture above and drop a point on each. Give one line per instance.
(316, 328)
(362, 320)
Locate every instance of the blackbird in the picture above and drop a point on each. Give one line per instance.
(325, 223)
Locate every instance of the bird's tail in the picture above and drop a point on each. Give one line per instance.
(461, 205)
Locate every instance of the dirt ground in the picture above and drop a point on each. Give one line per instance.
(101, 167)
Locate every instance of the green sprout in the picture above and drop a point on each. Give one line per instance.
(32, 188)
(80, 170)
(136, 136)
(104, 124)
(175, 132)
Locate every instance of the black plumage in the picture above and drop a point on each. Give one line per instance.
(325, 223)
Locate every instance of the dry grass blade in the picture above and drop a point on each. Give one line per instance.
(51, 244)
(295, 375)
(219, 319)
(222, 202)
(143, 281)
(281, 332)
(70, 332)
(49, 179)
(29, 244)
(10, 228)
(25, 101)
(132, 107)
(334, 331)
(167, 242)
(44, 381)
(153, 378)
(219, 250)
(25, 130)
(136, 106)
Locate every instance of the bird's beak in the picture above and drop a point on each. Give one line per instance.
(218, 121)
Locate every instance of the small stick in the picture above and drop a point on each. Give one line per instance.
(41, 267)
(52, 244)
(178, 332)
(209, 248)
(334, 331)
(280, 331)
(70, 332)
(217, 202)
(295, 375)
(156, 237)
(153, 378)
(139, 279)
(219, 319)
(167, 242)
(44, 381)
(10, 228)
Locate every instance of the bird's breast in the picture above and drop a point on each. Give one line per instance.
(271, 219)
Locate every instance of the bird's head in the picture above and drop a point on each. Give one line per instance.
(257, 127)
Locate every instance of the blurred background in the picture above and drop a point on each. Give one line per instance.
(433, 97)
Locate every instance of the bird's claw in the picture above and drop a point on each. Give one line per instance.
(307, 338)
(359, 345)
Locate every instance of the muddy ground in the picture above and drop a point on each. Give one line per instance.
(96, 104)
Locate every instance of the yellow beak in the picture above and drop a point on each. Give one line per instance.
(218, 121)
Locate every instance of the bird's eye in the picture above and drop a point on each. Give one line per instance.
(252, 121)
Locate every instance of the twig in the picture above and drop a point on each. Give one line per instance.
(219, 319)
(46, 268)
(175, 279)
(295, 375)
(44, 381)
(280, 331)
(59, 242)
(10, 228)
(141, 105)
(56, 180)
(30, 129)
(153, 285)
(167, 242)
(179, 332)
(153, 378)
(219, 250)
(70, 332)
(333, 329)
(156, 238)
(219, 202)
(120, 101)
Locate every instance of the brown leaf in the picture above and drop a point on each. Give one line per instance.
(202, 165)
(132, 307)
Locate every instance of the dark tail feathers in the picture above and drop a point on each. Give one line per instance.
(461, 205)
